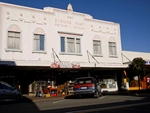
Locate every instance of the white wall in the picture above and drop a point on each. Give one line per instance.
(130, 55)
(52, 21)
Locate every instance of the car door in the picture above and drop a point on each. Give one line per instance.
(1, 92)
(7, 91)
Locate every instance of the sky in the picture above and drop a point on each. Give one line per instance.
(132, 15)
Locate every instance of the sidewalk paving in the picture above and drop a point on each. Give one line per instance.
(27, 98)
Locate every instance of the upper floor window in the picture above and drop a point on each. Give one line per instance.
(13, 40)
(70, 45)
(112, 48)
(14, 36)
(39, 42)
(97, 47)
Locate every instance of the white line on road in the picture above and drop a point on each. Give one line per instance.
(102, 97)
(58, 101)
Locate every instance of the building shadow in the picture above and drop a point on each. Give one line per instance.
(28, 106)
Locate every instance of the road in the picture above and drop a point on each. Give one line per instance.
(103, 104)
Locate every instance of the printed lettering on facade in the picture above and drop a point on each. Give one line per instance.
(69, 23)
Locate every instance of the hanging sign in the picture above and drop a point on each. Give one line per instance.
(64, 65)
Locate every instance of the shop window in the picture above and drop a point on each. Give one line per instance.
(107, 80)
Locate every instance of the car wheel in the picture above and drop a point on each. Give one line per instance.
(18, 98)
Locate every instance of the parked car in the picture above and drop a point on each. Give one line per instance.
(9, 93)
(87, 86)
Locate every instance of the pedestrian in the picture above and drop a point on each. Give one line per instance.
(40, 91)
(36, 90)
(66, 88)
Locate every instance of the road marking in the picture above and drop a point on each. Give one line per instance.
(136, 94)
(106, 108)
(102, 97)
(59, 101)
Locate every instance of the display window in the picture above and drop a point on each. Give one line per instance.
(107, 80)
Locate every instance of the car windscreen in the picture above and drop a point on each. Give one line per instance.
(84, 81)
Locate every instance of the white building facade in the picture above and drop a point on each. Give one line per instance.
(59, 40)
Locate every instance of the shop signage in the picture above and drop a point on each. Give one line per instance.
(64, 65)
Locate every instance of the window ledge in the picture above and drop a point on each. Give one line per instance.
(97, 55)
(42, 52)
(13, 50)
(113, 56)
(77, 54)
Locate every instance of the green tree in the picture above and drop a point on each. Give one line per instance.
(138, 67)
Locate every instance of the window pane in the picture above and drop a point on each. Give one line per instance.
(39, 42)
(13, 40)
(37, 37)
(70, 45)
(6, 87)
(62, 44)
(78, 50)
(36, 42)
(16, 43)
(17, 35)
(96, 47)
(11, 34)
(112, 48)
(10, 43)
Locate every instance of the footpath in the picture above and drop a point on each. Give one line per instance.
(28, 98)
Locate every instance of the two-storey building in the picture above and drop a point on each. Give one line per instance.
(57, 45)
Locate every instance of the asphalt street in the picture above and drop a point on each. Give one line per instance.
(105, 104)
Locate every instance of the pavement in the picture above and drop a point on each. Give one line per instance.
(28, 98)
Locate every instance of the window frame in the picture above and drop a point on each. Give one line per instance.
(112, 49)
(100, 48)
(15, 29)
(13, 43)
(64, 45)
(39, 45)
